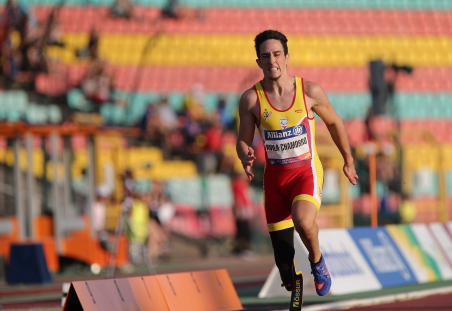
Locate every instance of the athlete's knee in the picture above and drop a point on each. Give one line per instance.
(305, 226)
(303, 215)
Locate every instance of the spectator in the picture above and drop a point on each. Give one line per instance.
(138, 233)
(243, 213)
(194, 102)
(14, 17)
(122, 8)
(98, 83)
(173, 10)
(160, 213)
(91, 50)
(170, 9)
(407, 209)
(150, 125)
(99, 215)
(129, 184)
(167, 117)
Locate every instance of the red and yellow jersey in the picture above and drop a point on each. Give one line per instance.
(288, 135)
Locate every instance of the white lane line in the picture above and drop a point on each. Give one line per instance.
(347, 304)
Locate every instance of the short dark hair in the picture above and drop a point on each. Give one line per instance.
(267, 35)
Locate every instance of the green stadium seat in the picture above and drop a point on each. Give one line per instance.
(76, 100)
(210, 102)
(186, 191)
(106, 112)
(118, 115)
(36, 114)
(13, 116)
(449, 182)
(355, 192)
(143, 186)
(219, 191)
(425, 183)
(331, 190)
(176, 101)
(55, 115)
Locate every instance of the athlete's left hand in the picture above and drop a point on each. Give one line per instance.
(349, 171)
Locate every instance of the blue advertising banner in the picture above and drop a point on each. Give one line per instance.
(383, 256)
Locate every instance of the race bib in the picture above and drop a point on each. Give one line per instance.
(288, 145)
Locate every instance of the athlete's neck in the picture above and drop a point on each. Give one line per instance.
(280, 85)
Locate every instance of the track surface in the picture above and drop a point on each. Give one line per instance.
(248, 276)
(431, 303)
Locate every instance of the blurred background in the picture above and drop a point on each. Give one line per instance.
(118, 110)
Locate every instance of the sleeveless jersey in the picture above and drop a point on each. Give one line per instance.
(288, 135)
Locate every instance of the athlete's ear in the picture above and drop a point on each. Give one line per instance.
(258, 61)
(287, 58)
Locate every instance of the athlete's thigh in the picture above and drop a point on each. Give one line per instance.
(304, 214)
(308, 187)
(306, 196)
(278, 207)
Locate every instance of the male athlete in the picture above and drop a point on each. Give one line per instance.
(282, 107)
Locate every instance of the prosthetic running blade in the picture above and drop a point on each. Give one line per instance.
(296, 300)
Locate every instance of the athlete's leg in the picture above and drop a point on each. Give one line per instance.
(283, 248)
(304, 215)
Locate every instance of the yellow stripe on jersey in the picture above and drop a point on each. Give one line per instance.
(307, 197)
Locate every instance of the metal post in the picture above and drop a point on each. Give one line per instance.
(373, 191)
(30, 185)
(67, 177)
(18, 191)
(92, 182)
(56, 193)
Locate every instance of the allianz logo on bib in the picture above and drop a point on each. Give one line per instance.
(286, 133)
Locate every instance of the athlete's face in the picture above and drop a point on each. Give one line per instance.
(272, 60)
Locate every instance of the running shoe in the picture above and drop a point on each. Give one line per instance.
(322, 278)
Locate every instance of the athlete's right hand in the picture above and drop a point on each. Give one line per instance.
(248, 162)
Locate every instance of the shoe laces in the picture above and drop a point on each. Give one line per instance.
(319, 271)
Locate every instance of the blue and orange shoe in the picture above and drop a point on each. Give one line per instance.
(322, 278)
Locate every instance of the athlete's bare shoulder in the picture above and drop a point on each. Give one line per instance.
(314, 91)
(249, 98)
(249, 102)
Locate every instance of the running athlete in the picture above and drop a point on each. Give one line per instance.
(282, 107)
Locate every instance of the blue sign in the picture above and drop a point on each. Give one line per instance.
(383, 256)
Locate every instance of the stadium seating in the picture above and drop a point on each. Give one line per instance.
(15, 106)
(307, 50)
(186, 192)
(219, 191)
(217, 52)
(352, 4)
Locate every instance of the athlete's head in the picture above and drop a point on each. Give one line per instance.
(272, 53)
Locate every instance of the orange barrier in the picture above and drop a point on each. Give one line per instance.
(43, 226)
(78, 245)
(201, 291)
(88, 250)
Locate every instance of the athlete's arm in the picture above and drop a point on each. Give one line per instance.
(322, 106)
(247, 118)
